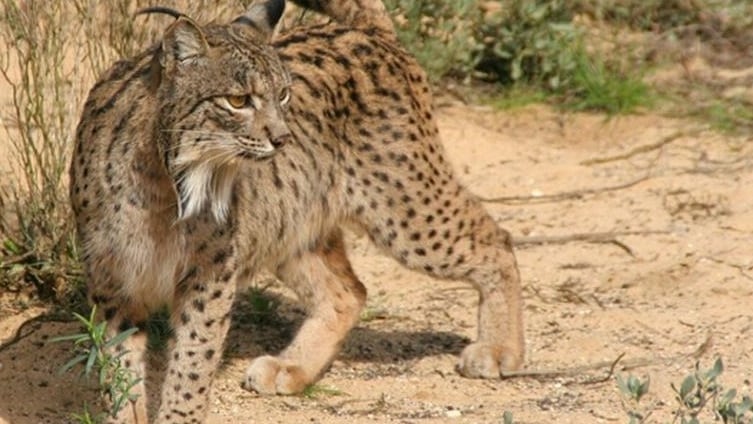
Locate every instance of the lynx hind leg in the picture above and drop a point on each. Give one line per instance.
(451, 236)
(334, 296)
(131, 353)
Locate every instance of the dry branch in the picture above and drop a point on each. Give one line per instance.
(35, 323)
(641, 149)
(607, 237)
(567, 195)
(625, 365)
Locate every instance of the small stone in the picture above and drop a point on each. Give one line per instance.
(453, 413)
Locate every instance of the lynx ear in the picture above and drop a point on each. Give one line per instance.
(183, 41)
(263, 16)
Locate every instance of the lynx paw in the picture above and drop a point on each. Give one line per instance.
(268, 375)
(481, 360)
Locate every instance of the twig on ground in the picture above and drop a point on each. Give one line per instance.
(607, 237)
(627, 364)
(641, 149)
(20, 334)
(556, 197)
(740, 268)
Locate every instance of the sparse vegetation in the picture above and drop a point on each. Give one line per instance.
(535, 47)
(316, 391)
(38, 252)
(597, 86)
(530, 51)
(97, 353)
(732, 116)
(260, 305)
(508, 42)
(632, 389)
(700, 395)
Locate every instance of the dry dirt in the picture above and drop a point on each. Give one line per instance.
(676, 272)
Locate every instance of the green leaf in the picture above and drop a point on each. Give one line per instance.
(716, 370)
(67, 338)
(642, 389)
(11, 247)
(507, 417)
(729, 396)
(90, 362)
(120, 338)
(71, 363)
(687, 386)
(622, 385)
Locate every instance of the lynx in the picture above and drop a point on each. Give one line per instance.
(224, 151)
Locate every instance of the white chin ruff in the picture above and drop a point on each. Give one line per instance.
(206, 185)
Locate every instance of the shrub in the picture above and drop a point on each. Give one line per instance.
(508, 41)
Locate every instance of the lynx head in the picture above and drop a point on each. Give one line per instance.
(222, 93)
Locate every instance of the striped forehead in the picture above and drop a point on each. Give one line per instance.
(249, 64)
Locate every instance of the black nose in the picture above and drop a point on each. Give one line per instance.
(280, 141)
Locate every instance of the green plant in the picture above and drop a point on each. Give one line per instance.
(632, 389)
(517, 96)
(527, 41)
(314, 391)
(507, 418)
(38, 250)
(597, 86)
(700, 393)
(261, 305)
(730, 116)
(438, 33)
(701, 390)
(96, 352)
(510, 41)
(86, 417)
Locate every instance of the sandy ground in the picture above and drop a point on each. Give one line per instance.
(676, 272)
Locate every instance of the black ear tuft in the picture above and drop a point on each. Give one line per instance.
(275, 8)
(263, 16)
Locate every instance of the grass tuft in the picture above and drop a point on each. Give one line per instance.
(316, 391)
(598, 87)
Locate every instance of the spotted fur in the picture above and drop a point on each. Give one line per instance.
(362, 149)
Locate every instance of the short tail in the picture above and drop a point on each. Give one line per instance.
(362, 14)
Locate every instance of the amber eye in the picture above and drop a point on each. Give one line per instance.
(239, 102)
(284, 96)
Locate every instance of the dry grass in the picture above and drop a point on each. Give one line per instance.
(51, 54)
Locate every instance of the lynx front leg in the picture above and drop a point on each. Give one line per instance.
(200, 319)
(500, 344)
(324, 280)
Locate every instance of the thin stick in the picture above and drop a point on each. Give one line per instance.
(577, 194)
(609, 237)
(627, 364)
(20, 335)
(641, 149)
